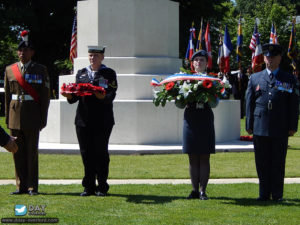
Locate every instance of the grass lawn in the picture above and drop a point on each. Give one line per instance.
(158, 204)
(223, 165)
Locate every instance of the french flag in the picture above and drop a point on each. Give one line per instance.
(227, 48)
(208, 47)
(190, 49)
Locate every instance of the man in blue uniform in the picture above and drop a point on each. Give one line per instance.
(271, 116)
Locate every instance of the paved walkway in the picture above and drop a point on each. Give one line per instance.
(155, 181)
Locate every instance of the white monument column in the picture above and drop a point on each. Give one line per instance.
(142, 39)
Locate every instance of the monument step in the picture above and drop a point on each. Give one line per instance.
(139, 122)
(57, 148)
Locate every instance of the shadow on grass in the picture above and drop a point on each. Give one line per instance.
(62, 193)
(254, 202)
(148, 199)
(293, 148)
(137, 199)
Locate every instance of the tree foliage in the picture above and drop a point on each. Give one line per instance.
(50, 26)
(266, 12)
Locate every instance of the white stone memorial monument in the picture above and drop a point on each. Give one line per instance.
(142, 39)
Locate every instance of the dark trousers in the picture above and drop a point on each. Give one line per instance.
(26, 159)
(93, 143)
(270, 154)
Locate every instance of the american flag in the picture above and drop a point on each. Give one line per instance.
(73, 48)
(273, 35)
(257, 55)
(252, 45)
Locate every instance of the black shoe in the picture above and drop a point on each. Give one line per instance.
(100, 194)
(17, 192)
(203, 196)
(262, 199)
(278, 199)
(86, 193)
(193, 195)
(33, 193)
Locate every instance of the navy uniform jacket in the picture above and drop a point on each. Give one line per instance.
(91, 111)
(271, 112)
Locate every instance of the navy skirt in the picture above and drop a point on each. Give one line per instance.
(198, 131)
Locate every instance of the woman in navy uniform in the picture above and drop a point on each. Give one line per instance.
(199, 136)
(94, 122)
(271, 116)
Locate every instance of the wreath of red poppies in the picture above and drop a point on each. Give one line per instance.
(246, 138)
(81, 89)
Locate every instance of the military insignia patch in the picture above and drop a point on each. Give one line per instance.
(113, 84)
(257, 88)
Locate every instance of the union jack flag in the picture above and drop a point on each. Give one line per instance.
(73, 48)
(273, 35)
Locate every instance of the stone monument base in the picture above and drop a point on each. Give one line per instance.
(139, 122)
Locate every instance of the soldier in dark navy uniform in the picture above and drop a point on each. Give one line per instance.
(272, 115)
(94, 122)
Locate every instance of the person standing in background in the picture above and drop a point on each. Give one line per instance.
(27, 98)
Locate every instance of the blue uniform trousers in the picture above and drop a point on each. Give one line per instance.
(270, 154)
(93, 144)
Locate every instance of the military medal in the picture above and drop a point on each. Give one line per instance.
(283, 86)
(103, 82)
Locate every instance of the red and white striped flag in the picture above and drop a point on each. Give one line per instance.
(257, 54)
(252, 45)
(73, 48)
(208, 47)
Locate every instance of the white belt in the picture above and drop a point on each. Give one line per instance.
(21, 97)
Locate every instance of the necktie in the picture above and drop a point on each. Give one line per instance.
(271, 76)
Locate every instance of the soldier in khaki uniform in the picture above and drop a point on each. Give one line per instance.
(26, 107)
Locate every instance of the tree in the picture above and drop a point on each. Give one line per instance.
(50, 26)
(267, 12)
(212, 11)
